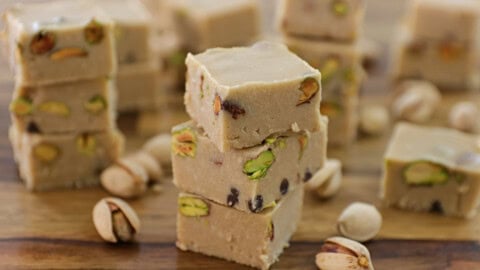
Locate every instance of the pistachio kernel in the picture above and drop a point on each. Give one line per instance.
(184, 142)
(271, 231)
(425, 173)
(96, 104)
(93, 32)
(329, 68)
(330, 108)
(68, 53)
(86, 144)
(46, 152)
(177, 59)
(340, 8)
(257, 168)
(193, 207)
(217, 104)
(303, 141)
(21, 106)
(54, 107)
(309, 88)
(42, 42)
(349, 75)
(450, 50)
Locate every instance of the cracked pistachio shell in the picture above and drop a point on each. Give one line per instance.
(160, 148)
(109, 227)
(125, 179)
(149, 163)
(360, 222)
(343, 253)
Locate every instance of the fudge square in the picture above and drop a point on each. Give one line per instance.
(242, 95)
(444, 19)
(432, 169)
(216, 230)
(449, 64)
(133, 29)
(84, 105)
(70, 160)
(323, 19)
(249, 179)
(59, 41)
(342, 75)
(203, 24)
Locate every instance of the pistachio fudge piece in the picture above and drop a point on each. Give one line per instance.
(171, 57)
(49, 162)
(342, 75)
(203, 24)
(59, 41)
(133, 29)
(249, 179)
(242, 95)
(216, 230)
(137, 86)
(449, 64)
(444, 19)
(67, 107)
(326, 19)
(432, 169)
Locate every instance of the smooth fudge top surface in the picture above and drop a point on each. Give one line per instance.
(126, 11)
(448, 147)
(263, 62)
(206, 7)
(56, 15)
(465, 6)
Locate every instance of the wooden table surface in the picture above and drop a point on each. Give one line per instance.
(53, 230)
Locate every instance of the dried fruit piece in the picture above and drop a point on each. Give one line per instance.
(193, 207)
(21, 106)
(425, 173)
(184, 142)
(96, 104)
(217, 104)
(46, 152)
(307, 176)
(93, 32)
(68, 53)
(436, 207)
(86, 144)
(416, 47)
(309, 88)
(234, 109)
(284, 186)
(258, 167)
(232, 198)
(271, 231)
(256, 205)
(303, 141)
(329, 69)
(330, 108)
(54, 107)
(32, 127)
(340, 8)
(42, 42)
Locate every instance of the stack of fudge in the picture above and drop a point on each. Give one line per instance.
(137, 70)
(255, 137)
(63, 104)
(325, 33)
(438, 42)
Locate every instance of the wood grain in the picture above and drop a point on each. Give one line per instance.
(54, 230)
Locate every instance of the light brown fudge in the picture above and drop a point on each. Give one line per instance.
(59, 41)
(342, 76)
(87, 106)
(248, 179)
(432, 169)
(133, 29)
(448, 64)
(242, 95)
(323, 19)
(137, 86)
(48, 162)
(444, 19)
(256, 240)
(203, 24)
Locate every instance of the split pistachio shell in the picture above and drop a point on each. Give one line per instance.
(340, 253)
(160, 148)
(374, 120)
(360, 222)
(464, 116)
(125, 179)
(417, 102)
(149, 163)
(115, 220)
(326, 182)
